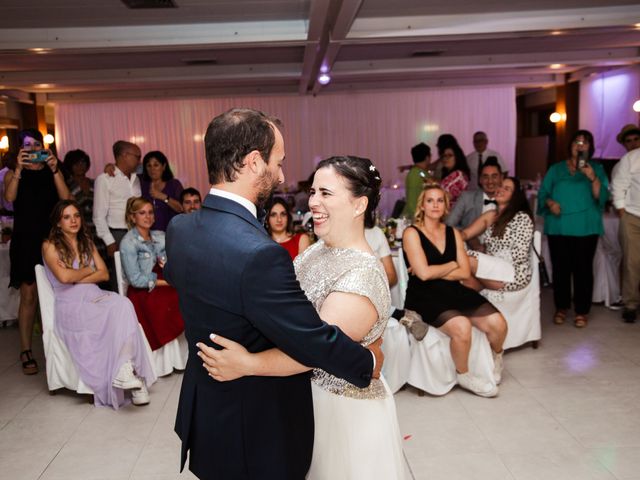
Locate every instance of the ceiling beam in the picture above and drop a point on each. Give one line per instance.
(317, 40)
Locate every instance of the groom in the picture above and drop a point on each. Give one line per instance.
(232, 279)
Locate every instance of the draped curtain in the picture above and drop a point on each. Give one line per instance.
(382, 126)
(606, 102)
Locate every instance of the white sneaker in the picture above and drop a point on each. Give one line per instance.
(477, 386)
(140, 396)
(498, 366)
(126, 379)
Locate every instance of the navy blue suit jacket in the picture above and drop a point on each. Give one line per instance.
(233, 280)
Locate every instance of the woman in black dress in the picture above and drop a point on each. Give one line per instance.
(34, 187)
(438, 260)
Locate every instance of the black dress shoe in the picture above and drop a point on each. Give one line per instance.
(629, 315)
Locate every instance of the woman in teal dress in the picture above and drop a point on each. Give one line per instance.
(571, 200)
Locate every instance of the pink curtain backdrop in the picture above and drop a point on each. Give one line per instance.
(606, 102)
(382, 126)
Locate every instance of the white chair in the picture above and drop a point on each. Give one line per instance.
(61, 371)
(432, 369)
(606, 264)
(170, 356)
(521, 309)
(397, 355)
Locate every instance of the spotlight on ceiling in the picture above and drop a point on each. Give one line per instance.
(324, 79)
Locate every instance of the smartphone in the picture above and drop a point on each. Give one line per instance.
(582, 162)
(38, 157)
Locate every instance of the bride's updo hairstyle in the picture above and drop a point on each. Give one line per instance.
(362, 179)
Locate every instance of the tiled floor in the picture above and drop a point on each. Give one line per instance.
(569, 410)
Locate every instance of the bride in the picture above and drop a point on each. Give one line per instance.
(356, 429)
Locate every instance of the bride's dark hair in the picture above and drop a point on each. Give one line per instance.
(363, 180)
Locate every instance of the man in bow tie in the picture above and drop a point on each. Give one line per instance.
(473, 203)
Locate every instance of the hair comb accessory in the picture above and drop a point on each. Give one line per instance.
(372, 168)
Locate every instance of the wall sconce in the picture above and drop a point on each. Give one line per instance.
(636, 106)
(49, 139)
(556, 117)
(4, 143)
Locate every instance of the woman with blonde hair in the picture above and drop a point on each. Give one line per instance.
(143, 258)
(438, 260)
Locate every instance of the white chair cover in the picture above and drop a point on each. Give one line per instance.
(397, 355)
(171, 356)
(432, 369)
(521, 309)
(606, 264)
(61, 371)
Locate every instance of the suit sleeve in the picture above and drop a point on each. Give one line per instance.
(454, 219)
(274, 303)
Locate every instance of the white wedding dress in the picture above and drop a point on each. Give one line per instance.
(356, 429)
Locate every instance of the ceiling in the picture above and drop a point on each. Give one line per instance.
(88, 50)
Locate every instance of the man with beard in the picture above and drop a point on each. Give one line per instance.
(232, 279)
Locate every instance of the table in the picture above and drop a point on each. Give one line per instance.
(9, 297)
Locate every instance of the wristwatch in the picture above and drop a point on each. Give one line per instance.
(166, 200)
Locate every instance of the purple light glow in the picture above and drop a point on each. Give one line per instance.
(324, 79)
(581, 359)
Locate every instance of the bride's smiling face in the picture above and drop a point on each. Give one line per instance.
(335, 210)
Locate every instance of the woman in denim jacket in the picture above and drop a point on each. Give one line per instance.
(143, 257)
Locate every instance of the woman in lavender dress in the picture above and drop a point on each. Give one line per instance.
(99, 328)
(158, 185)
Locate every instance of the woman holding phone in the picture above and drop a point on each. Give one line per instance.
(34, 187)
(571, 200)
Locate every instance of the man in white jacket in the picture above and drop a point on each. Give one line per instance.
(625, 186)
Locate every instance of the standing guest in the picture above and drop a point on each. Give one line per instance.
(435, 252)
(571, 199)
(34, 187)
(629, 137)
(190, 200)
(280, 226)
(481, 153)
(455, 171)
(143, 258)
(111, 193)
(76, 164)
(160, 187)
(99, 328)
(421, 155)
(625, 188)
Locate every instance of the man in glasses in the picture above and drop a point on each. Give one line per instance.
(110, 200)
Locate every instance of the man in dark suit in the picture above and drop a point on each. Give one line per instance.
(473, 203)
(232, 279)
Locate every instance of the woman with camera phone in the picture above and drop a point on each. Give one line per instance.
(34, 187)
(571, 200)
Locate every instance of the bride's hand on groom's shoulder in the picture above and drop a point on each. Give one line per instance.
(233, 361)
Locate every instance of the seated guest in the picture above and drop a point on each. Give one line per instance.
(377, 240)
(143, 257)
(279, 224)
(99, 328)
(190, 200)
(508, 235)
(455, 171)
(158, 185)
(435, 252)
(474, 203)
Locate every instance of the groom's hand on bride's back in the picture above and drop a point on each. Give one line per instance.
(376, 349)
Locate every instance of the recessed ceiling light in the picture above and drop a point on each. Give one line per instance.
(39, 50)
(43, 85)
(556, 66)
(324, 79)
(557, 32)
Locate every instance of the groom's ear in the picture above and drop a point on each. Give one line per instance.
(252, 161)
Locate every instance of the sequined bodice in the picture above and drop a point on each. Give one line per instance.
(322, 270)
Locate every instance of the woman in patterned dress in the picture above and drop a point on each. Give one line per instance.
(508, 234)
(455, 172)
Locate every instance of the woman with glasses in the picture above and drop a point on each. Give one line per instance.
(34, 187)
(455, 171)
(571, 200)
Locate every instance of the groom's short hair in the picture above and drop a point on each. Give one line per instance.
(234, 134)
